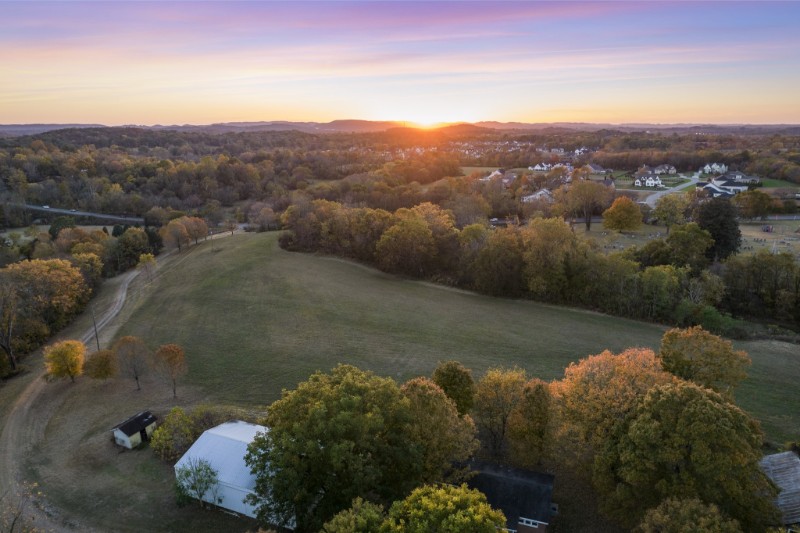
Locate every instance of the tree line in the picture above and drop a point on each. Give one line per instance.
(678, 279)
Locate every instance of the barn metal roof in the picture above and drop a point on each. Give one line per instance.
(224, 447)
(784, 470)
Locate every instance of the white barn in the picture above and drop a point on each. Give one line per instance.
(224, 447)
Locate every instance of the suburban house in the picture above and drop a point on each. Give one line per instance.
(541, 167)
(496, 174)
(784, 470)
(715, 191)
(525, 497)
(596, 169)
(664, 169)
(224, 447)
(716, 168)
(740, 177)
(543, 195)
(135, 430)
(648, 180)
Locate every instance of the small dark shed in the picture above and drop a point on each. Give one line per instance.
(784, 470)
(135, 430)
(525, 497)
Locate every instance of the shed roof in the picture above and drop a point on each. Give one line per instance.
(784, 470)
(224, 447)
(518, 493)
(136, 423)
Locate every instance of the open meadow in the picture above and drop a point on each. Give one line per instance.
(255, 319)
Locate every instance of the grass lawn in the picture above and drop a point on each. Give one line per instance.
(783, 238)
(255, 319)
(772, 183)
(469, 170)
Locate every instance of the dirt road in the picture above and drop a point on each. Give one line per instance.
(25, 427)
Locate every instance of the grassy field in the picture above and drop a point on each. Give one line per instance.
(772, 183)
(255, 319)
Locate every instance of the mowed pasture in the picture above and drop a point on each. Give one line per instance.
(255, 319)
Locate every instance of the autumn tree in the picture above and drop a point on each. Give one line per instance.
(196, 227)
(623, 215)
(549, 245)
(443, 509)
(584, 197)
(133, 357)
(174, 235)
(336, 437)
(65, 359)
(457, 383)
(670, 210)
(530, 426)
(753, 204)
(497, 395)
(101, 365)
(147, 262)
(498, 268)
(706, 359)
(171, 362)
(361, 517)
(443, 436)
(718, 217)
(598, 392)
(408, 248)
(675, 515)
(684, 441)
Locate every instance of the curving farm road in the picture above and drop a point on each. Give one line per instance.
(24, 427)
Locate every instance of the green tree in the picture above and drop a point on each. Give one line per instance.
(687, 516)
(498, 393)
(671, 210)
(623, 215)
(336, 437)
(684, 441)
(718, 217)
(753, 204)
(60, 223)
(706, 359)
(443, 509)
(65, 359)
(688, 246)
(195, 479)
(498, 268)
(101, 365)
(443, 436)
(550, 245)
(584, 197)
(174, 436)
(457, 383)
(408, 248)
(361, 517)
(530, 426)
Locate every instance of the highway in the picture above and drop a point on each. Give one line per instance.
(76, 213)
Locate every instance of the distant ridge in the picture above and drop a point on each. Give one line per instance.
(369, 126)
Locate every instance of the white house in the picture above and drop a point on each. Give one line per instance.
(224, 447)
(650, 180)
(665, 169)
(543, 195)
(541, 167)
(135, 430)
(718, 168)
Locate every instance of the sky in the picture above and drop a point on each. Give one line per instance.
(204, 62)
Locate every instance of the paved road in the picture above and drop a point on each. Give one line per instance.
(76, 213)
(653, 198)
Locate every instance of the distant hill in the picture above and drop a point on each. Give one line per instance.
(18, 130)
(369, 126)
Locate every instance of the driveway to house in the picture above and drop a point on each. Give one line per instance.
(653, 198)
(28, 419)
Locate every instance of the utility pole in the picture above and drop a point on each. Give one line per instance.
(96, 337)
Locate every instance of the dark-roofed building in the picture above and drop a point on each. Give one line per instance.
(525, 497)
(135, 430)
(784, 470)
